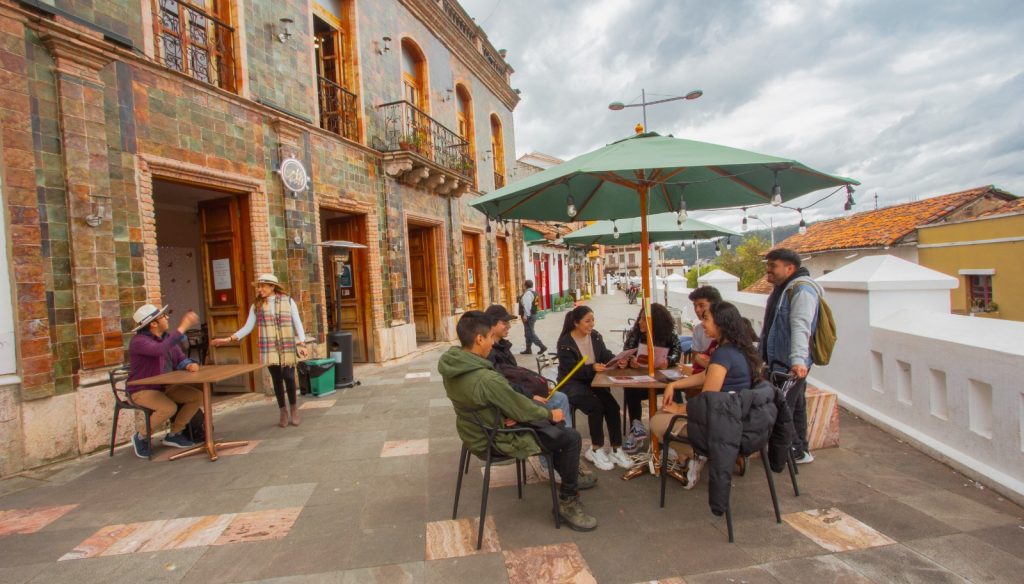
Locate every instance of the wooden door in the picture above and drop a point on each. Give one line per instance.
(471, 253)
(504, 283)
(422, 282)
(352, 285)
(224, 231)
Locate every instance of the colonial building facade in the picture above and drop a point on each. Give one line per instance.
(169, 151)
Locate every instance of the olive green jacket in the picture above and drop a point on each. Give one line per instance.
(474, 386)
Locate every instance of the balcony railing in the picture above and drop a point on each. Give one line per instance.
(406, 127)
(337, 109)
(499, 180)
(195, 43)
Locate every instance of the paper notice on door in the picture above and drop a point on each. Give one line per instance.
(221, 274)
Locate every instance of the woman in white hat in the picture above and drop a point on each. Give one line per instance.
(280, 336)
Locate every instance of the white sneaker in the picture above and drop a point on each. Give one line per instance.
(621, 458)
(693, 471)
(600, 458)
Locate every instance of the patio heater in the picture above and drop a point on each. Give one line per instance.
(339, 343)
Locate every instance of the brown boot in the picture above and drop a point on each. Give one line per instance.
(283, 422)
(295, 415)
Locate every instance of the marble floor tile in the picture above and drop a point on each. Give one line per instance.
(748, 575)
(960, 512)
(25, 521)
(418, 375)
(456, 539)
(557, 564)
(259, 525)
(188, 532)
(315, 405)
(815, 571)
(100, 541)
(281, 497)
(896, 563)
(835, 531)
(405, 448)
(136, 538)
(970, 557)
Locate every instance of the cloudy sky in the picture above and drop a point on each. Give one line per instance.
(912, 98)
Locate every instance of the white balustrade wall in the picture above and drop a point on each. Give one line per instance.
(953, 386)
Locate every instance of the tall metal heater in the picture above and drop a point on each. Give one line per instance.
(339, 343)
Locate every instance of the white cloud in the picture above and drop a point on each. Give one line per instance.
(912, 98)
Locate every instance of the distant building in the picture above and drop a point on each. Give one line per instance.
(890, 231)
(985, 253)
(533, 163)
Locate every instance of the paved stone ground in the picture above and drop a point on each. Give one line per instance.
(362, 492)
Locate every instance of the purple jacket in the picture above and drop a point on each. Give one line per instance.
(149, 356)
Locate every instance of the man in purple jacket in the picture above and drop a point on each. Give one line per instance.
(154, 351)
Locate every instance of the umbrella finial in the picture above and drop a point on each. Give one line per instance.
(639, 129)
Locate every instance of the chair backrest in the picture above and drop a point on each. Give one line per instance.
(547, 366)
(118, 384)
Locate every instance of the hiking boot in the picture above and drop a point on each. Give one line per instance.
(543, 349)
(526, 352)
(177, 440)
(693, 471)
(141, 446)
(803, 458)
(599, 458)
(585, 481)
(570, 509)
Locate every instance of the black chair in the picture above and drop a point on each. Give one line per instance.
(198, 341)
(122, 401)
(669, 437)
(494, 456)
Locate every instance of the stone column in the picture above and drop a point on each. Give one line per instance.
(80, 101)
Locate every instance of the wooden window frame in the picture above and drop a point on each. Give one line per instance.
(216, 14)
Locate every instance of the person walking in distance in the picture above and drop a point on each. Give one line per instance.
(789, 320)
(528, 311)
(280, 336)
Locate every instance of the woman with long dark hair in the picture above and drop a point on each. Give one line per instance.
(664, 337)
(577, 340)
(735, 366)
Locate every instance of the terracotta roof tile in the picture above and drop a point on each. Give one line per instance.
(882, 227)
(761, 286)
(1015, 206)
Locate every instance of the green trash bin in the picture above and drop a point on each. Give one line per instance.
(316, 376)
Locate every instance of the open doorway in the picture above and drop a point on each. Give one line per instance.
(426, 312)
(347, 287)
(204, 245)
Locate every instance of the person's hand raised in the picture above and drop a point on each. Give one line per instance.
(188, 321)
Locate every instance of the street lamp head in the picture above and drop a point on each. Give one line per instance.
(616, 106)
(694, 94)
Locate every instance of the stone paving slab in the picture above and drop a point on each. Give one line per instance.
(358, 516)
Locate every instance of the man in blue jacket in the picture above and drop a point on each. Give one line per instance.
(789, 320)
(154, 351)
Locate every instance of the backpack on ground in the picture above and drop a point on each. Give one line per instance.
(823, 340)
(524, 380)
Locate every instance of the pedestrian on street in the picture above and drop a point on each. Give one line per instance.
(528, 312)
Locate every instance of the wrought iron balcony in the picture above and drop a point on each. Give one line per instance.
(195, 43)
(338, 108)
(409, 133)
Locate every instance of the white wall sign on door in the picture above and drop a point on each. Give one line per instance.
(221, 274)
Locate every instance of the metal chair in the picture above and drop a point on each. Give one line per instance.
(669, 437)
(198, 341)
(494, 456)
(123, 401)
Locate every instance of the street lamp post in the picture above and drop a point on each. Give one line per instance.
(770, 225)
(618, 105)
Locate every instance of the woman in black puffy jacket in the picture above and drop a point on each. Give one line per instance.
(579, 339)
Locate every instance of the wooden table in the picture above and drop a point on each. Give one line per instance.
(603, 379)
(205, 376)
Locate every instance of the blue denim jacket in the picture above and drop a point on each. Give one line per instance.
(789, 338)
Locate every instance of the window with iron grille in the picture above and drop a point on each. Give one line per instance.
(195, 38)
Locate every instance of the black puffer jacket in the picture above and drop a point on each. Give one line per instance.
(724, 425)
(569, 355)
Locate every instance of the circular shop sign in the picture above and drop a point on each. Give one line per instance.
(293, 175)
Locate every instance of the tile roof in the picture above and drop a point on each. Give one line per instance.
(761, 286)
(884, 227)
(1010, 207)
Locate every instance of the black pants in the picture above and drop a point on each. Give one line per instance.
(283, 377)
(565, 450)
(531, 336)
(797, 400)
(601, 408)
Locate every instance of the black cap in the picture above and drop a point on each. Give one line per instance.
(498, 312)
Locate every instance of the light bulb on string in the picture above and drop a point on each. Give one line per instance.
(803, 224)
(728, 243)
(776, 190)
(681, 216)
(718, 249)
(570, 207)
(848, 206)
(743, 226)
(615, 230)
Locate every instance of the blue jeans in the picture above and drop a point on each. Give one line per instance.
(560, 401)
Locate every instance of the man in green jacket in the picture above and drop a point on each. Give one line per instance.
(474, 386)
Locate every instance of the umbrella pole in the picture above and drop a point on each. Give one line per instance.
(645, 271)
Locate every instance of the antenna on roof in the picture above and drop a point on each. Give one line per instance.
(876, 200)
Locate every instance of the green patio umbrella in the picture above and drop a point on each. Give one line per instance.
(661, 227)
(649, 173)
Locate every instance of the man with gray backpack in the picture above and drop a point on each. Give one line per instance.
(798, 331)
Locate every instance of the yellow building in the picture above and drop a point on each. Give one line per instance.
(985, 253)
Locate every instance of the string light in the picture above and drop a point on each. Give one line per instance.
(803, 224)
(681, 216)
(776, 190)
(570, 206)
(718, 250)
(743, 226)
(615, 230)
(728, 243)
(848, 206)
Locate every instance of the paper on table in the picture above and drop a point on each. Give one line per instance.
(632, 379)
(660, 356)
(623, 355)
